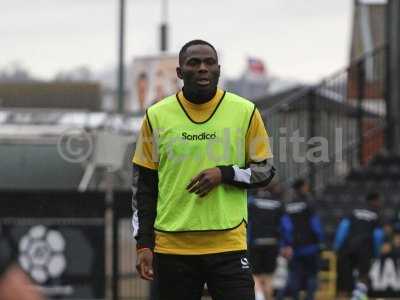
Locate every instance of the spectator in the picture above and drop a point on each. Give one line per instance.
(359, 238)
(265, 213)
(302, 237)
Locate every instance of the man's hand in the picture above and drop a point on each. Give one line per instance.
(205, 181)
(144, 264)
(16, 285)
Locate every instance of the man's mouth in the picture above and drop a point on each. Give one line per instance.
(203, 81)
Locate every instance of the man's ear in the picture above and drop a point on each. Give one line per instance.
(179, 73)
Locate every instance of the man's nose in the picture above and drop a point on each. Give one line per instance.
(203, 67)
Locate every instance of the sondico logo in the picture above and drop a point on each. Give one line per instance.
(199, 137)
(245, 263)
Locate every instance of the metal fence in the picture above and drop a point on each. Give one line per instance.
(126, 284)
(58, 239)
(125, 281)
(324, 131)
(74, 245)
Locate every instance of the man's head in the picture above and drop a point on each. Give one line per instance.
(199, 68)
(301, 187)
(373, 200)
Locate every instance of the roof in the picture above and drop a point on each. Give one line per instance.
(59, 95)
(297, 98)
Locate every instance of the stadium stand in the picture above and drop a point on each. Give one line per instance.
(381, 174)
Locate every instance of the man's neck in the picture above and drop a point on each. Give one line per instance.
(197, 97)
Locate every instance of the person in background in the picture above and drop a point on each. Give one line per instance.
(387, 246)
(395, 236)
(142, 87)
(302, 240)
(14, 283)
(265, 213)
(359, 238)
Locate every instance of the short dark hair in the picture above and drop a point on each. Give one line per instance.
(298, 184)
(372, 196)
(193, 43)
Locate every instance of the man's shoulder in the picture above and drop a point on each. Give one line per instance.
(165, 102)
(238, 98)
(239, 101)
(299, 205)
(365, 214)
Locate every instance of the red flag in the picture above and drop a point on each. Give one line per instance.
(255, 66)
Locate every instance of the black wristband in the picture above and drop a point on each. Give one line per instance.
(145, 242)
(227, 172)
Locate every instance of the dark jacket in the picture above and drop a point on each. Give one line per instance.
(360, 230)
(301, 227)
(264, 220)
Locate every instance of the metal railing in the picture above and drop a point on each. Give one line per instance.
(323, 131)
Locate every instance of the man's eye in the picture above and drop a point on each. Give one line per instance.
(193, 62)
(210, 61)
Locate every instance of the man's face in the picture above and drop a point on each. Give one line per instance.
(199, 69)
(305, 189)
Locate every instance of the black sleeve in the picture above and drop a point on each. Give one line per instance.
(255, 175)
(145, 192)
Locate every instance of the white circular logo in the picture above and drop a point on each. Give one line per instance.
(75, 145)
(41, 253)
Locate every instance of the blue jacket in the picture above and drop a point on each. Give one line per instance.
(343, 231)
(300, 220)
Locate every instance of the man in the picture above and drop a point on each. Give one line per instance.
(358, 239)
(14, 283)
(302, 237)
(196, 154)
(265, 213)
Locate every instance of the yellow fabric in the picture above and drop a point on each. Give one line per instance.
(201, 112)
(196, 243)
(257, 140)
(192, 243)
(144, 155)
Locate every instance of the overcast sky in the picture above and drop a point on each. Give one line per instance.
(297, 39)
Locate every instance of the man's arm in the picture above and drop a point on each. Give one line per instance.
(317, 227)
(144, 187)
(378, 238)
(286, 228)
(259, 170)
(286, 243)
(144, 205)
(258, 174)
(144, 200)
(341, 234)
